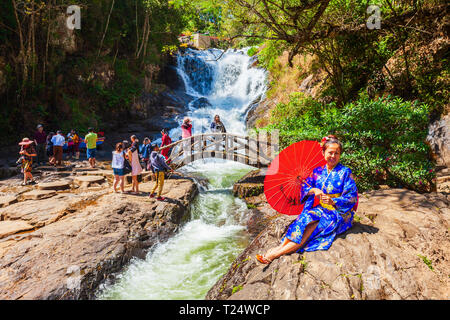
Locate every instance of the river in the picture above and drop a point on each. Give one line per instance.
(191, 262)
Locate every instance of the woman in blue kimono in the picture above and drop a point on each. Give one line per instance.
(316, 227)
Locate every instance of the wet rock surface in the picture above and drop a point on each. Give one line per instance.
(65, 244)
(398, 248)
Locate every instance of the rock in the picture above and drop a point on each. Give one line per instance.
(86, 181)
(42, 212)
(55, 185)
(252, 184)
(439, 140)
(38, 194)
(398, 248)
(53, 168)
(8, 228)
(6, 172)
(99, 234)
(7, 200)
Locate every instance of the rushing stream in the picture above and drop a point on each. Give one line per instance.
(191, 262)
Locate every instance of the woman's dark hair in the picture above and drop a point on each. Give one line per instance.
(164, 130)
(330, 139)
(126, 144)
(153, 146)
(119, 146)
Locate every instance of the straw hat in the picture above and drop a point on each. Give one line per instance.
(25, 142)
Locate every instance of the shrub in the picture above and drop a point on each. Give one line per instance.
(383, 139)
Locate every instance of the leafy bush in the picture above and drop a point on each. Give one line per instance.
(383, 139)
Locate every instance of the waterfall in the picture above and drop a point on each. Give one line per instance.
(187, 265)
(223, 83)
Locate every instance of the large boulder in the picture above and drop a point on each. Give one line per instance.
(70, 257)
(398, 248)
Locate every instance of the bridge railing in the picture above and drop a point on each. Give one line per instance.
(257, 150)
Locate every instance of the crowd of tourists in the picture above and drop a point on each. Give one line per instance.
(48, 149)
(128, 157)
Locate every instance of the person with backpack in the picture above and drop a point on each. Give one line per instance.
(159, 166)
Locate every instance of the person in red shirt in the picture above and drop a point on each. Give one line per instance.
(40, 140)
(186, 128)
(165, 142)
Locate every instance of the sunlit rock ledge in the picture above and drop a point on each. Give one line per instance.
(398, 248)
(65, 246)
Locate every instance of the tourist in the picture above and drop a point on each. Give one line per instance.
(145, 151)
(58, 141)
(165, 141)
(27, 153)
(50, 154)
(186, 132)
(91, 146)
(40, 139)
(73, 142)
(159, 166)
(118, 163)
(316, 227)
(186, 128)
(136, 169)
(127, 163)
(217, 126)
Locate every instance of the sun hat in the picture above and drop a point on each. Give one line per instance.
(25, 141)
(39, 126)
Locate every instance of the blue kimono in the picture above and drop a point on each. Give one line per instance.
(340, 186)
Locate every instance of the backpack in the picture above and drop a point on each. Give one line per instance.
(126, 165)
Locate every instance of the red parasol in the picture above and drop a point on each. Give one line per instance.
(286, 173)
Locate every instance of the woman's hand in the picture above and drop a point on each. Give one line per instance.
(326, 199)
(316, 192)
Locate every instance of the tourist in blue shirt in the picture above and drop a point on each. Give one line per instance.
(58, 141)
(145, 152)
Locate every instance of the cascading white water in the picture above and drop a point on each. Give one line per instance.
(188, 265)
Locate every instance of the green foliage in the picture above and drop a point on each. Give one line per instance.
(384, 139)
(236, 289)
(204, 16)
(426, 261)
(252, 51)
(269, 54)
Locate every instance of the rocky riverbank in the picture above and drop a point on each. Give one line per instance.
(398, 248)
(63, 237)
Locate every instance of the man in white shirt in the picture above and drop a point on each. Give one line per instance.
(58, 141)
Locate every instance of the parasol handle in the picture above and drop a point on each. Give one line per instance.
(306, 183)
